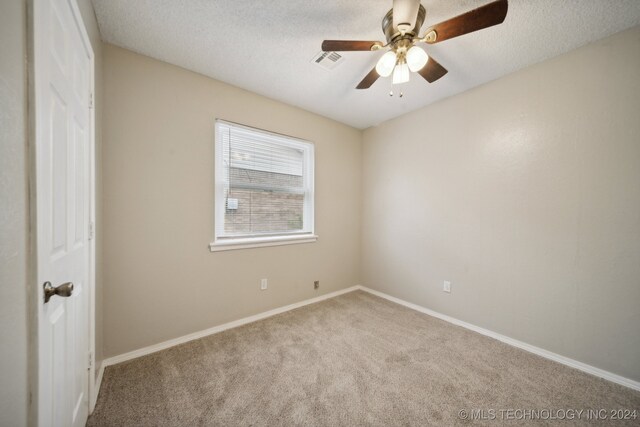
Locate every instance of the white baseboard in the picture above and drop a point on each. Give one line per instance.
(519, 344)
(234, 324)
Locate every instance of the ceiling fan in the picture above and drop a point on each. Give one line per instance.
(401, 26)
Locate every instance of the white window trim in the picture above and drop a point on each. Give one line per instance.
(259, 242)
(244, 242)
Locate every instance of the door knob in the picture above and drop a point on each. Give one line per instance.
(64, 290)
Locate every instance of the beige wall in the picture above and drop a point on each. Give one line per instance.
(525, 193)
(161, 281)
(14, 214)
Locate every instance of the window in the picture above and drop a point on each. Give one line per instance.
(264, 188)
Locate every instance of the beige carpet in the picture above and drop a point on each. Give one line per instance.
(352, 360)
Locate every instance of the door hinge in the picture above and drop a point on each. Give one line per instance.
(90, 99)
(92, 230)
(90, 361)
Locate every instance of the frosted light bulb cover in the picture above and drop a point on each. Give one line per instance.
(385, 64)
(416, 58)
(401, 74)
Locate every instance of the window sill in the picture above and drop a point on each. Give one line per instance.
(260, 242)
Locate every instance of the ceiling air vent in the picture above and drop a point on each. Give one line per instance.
(328, 60)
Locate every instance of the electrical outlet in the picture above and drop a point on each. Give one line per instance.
(263, 284)
(316, 284)
(446, 286)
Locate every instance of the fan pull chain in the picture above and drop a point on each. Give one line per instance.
(391, 92)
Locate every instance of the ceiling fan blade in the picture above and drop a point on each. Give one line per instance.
(483, 17)
(347, 45)
(405, 13)
(369, 79)
(432, 71)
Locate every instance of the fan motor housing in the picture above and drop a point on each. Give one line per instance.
(391, 34)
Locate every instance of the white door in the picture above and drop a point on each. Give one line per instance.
(62, 70)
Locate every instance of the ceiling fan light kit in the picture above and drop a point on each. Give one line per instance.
(401, 27)
(386, 64)
(416, 58)
(401, 73)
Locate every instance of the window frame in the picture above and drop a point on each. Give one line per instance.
(226, 242)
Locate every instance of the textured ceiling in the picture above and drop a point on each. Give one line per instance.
(267, 46)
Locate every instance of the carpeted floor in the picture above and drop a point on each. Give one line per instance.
(352, 360)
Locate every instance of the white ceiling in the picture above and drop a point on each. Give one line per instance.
(267, 46)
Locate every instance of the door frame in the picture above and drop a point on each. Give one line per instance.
(35, 291)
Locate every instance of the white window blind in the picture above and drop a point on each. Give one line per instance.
(264, 185)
